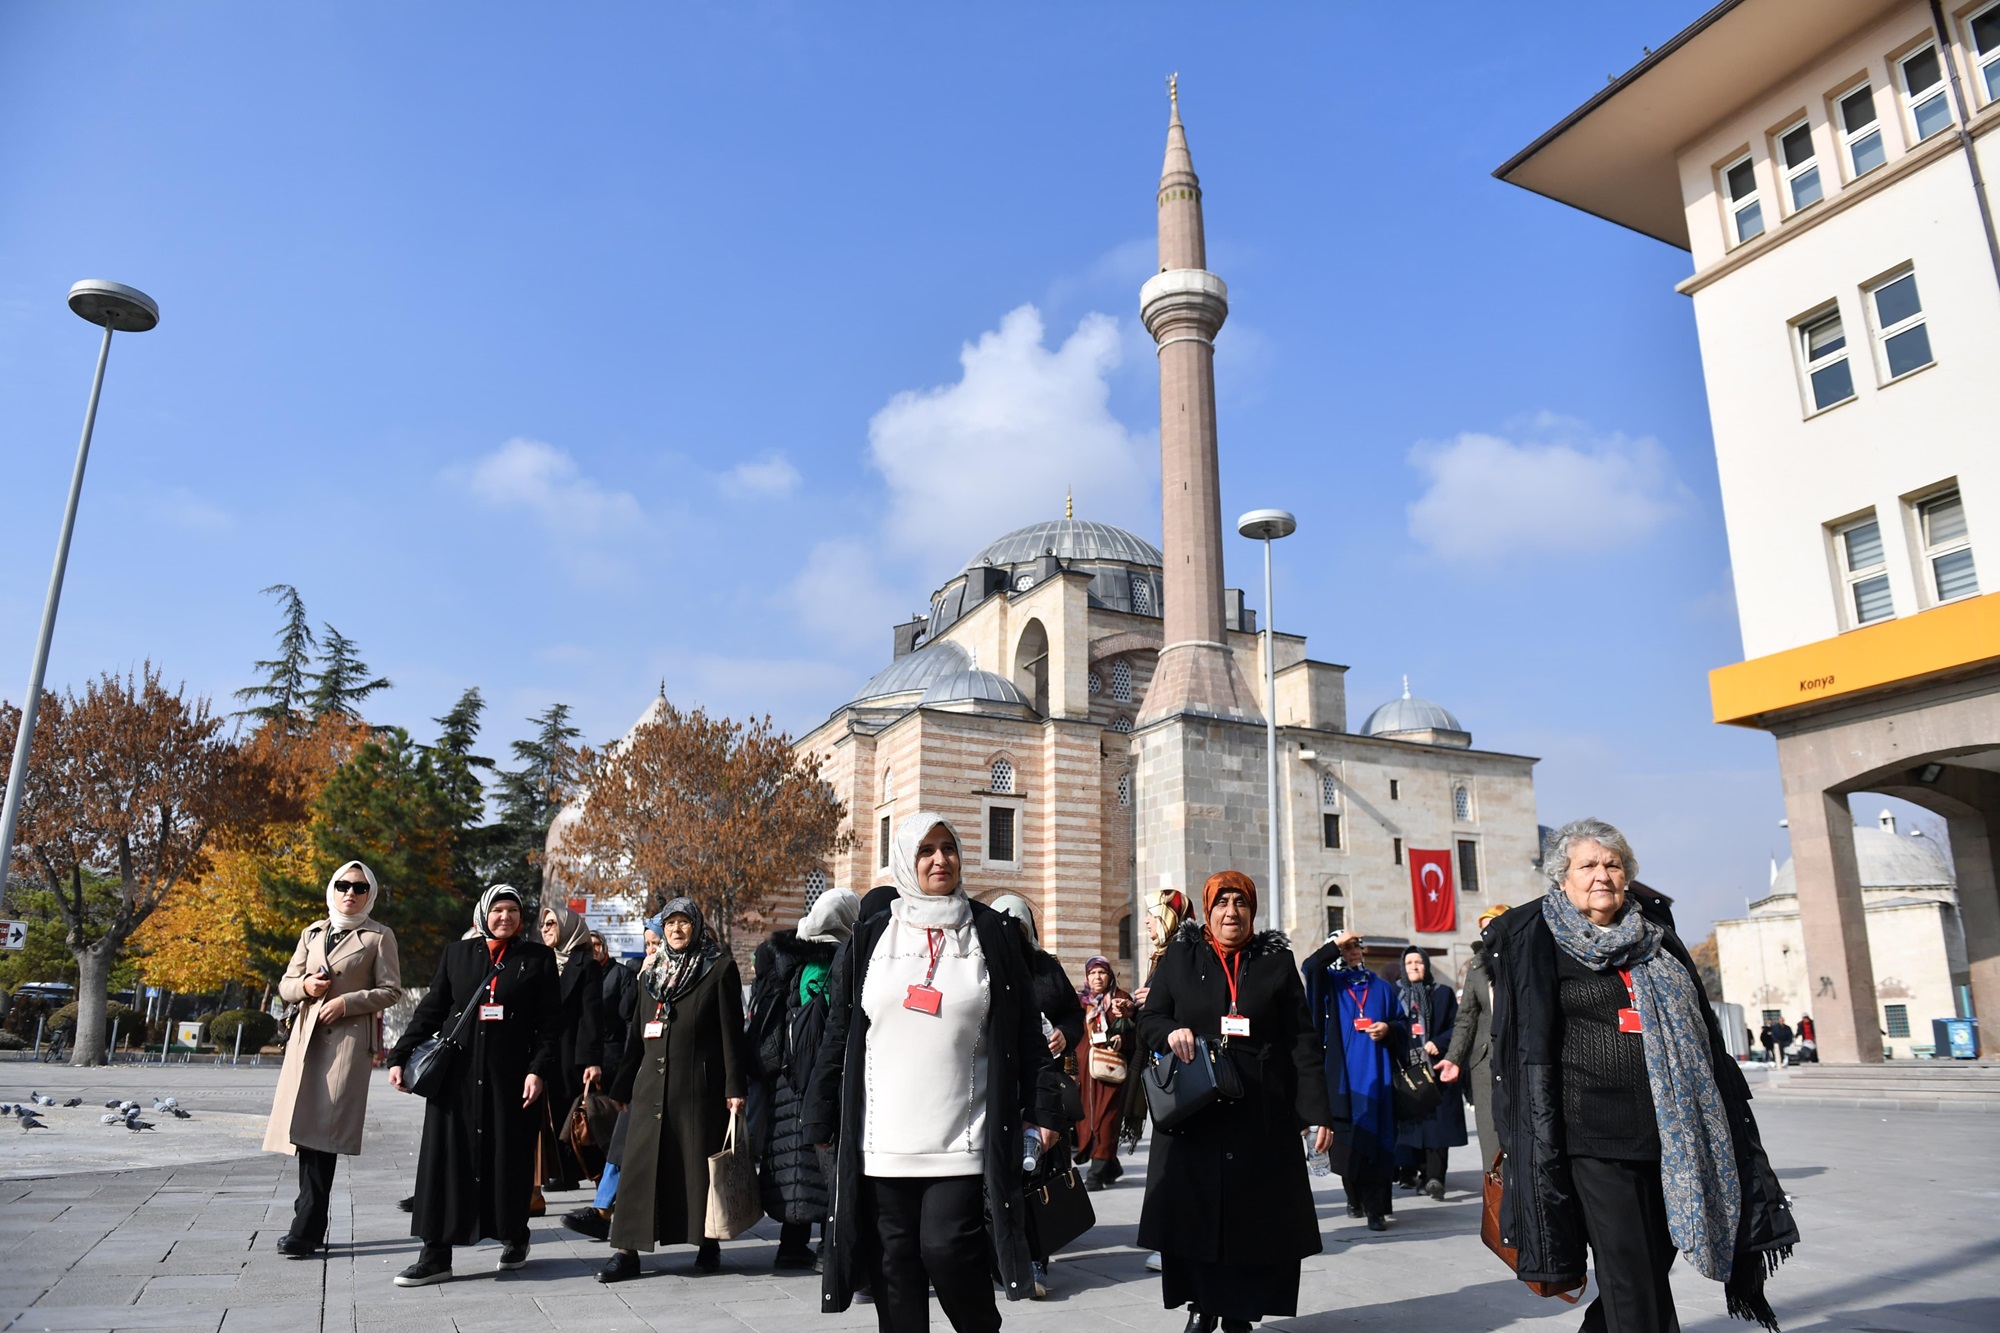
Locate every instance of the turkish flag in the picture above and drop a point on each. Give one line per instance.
(1430, 885)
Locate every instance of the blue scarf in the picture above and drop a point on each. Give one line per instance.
(1697, 1156)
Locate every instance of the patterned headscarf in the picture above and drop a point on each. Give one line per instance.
(1098, 1006)
(499, 893)
(673, 972)
(1169, 907)
(572, 931)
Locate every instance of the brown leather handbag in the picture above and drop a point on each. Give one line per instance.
(1489, 1232)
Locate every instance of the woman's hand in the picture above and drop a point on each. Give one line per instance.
(735, 1105)
(396, 1078)
(1431, 1047)
(592, 1075)
(1447, 1072)
(1322, 1138)
(1117, 1043)
(1139, 996)
(1378, 1030)
(1120, 1008)
(531, 1090)
(1058, 1043)
(1049, 1137)
(1181, 1042)
(333, 1010)
(316, 985)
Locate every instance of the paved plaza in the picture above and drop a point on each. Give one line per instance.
(172, 1229)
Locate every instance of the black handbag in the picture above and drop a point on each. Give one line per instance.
(428, 1070)
(1060, 1207)
(1417, 1091)
(1178, 1090)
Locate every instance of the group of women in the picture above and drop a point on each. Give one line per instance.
(904, 1055)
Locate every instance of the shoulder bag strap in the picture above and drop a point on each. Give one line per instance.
(458, 1028)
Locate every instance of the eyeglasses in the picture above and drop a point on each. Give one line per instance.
(346, 886)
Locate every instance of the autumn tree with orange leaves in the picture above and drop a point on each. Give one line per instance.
(720, 811)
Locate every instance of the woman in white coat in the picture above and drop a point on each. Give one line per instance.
(343, 973)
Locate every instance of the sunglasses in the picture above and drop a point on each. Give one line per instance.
(349, 886)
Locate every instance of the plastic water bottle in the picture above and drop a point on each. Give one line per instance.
(1031, 1150)
(1318, 1162)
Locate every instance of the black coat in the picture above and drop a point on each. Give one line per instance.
(793, 1188)
(618, 997)
(1444, 1127)
(1023, 1087)
(1056, 997)
(1539, 1212)
(1230, 1186)
(1471, 1048)
(676, 1085)
(477, 1164)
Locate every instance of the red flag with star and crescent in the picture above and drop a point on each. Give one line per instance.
(1430, 886)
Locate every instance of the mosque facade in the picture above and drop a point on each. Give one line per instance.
(1089, 709)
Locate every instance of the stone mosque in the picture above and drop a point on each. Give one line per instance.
(1089, 709)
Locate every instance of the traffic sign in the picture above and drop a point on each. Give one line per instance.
(15, 933)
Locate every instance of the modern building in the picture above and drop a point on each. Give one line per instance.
(1916, 945)
(1825, 164)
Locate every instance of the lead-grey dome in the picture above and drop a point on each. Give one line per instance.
(972, 686)
(1409, 714)
(1885, 860)
(915, 672)
(1070, 539)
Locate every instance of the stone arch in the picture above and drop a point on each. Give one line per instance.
(1031, 664)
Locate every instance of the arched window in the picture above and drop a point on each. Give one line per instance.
(1329, 790)
(1461, 804)
(1125, 789)
(1336, 909)
(1142, 595)
(1096, 683)
(888, 784)
(1121, 723)
(1031, 665)
(1003, 776)
(816, 884)
(1121, 680)
(1125, 936)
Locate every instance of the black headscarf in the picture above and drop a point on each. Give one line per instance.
(1414, 995)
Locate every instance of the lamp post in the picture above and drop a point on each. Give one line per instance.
(115, 308)
(1267, 525)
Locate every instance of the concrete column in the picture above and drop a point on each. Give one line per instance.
(1973, 837)
(1840, 977)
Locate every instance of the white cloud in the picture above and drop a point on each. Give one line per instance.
(842, 597)
(1490, 497)
(532, 477)
(771, 477)
(1024, 423)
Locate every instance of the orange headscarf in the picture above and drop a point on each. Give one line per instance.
(1227, 879)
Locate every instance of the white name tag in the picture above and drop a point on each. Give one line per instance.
(1235, 1025)
(656, 1028)
(492, 1013)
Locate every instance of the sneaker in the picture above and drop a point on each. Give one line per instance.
(587, 1221)
(423, 1274)
(864, 1295)
(1434, 1188)
(1041, 1280)
(1153, 1262)
(512, 1257)
(622, 1266)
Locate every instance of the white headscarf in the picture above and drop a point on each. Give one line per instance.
(498, 893)
(914, 907)
(1014, 905)
(831, 918)
(341, 920)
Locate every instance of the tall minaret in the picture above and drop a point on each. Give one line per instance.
(1183, 305)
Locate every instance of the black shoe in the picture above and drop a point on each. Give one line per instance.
(1434, 1188)
(799, 1259)
(296, 1247)
(512, 1257)
(408, 1205)
(423, 1273)
(1199, 1322)
(1356, 1210)
(588, 1222)
(1378, 1223)
(1235, 1326)
(708, 1259)
(622, 1266)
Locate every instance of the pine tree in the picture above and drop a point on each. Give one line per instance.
(342, 681)
(457, 769)
(530, 797)
(283, 692)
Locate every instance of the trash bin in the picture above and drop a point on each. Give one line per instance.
(1957, 1038)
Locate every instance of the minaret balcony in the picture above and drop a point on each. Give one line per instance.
(1183, 302)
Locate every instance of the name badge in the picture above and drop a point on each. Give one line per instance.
(492, 1013)
(1417, 1028)
(656, 1028)
(1099, 1037)
(924, 999)
(1363, 1024)
(1235, 1025)
(1628, 1020)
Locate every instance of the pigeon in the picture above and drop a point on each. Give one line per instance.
(74, 1101)
(179, 1114)
(29, 1121)
(111, 1118)
(165, 1103)
(40, 1100)
(135, 1124)
(116, 1104)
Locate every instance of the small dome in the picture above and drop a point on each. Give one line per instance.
(915, 672)
(974, 687)
(1070, 539)
(1409, 714)
(1886, 860)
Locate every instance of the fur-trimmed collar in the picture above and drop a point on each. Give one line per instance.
(1263, 943)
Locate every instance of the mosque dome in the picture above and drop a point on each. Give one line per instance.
(1411, 718)
(1071, 539)
(971, 688)
(1886, 860)
(915, 672)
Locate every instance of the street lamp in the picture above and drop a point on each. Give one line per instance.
(1267, 525)
(116, 308)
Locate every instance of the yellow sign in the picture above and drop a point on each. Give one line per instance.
(1944, 638)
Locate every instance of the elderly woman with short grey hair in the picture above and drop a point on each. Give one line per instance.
(1624, 1124)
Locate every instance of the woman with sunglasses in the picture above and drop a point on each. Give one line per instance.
(342, 974)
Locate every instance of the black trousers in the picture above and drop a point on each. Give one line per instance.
(933, 1233)
(1431, 1162)
(315, 1194)
(1373, 1197)
(1625, 1215)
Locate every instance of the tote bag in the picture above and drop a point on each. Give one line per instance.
(733, 1206)
(1489, 1233)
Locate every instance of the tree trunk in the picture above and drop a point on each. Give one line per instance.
(93, 986)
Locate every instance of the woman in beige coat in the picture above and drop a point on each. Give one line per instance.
(342, 974)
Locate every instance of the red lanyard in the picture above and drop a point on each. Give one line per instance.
(935, 938)
(1227, 974)
(493, 982)
(1359, 994)
(1625, 975)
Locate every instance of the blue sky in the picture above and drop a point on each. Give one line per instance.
(566, 351)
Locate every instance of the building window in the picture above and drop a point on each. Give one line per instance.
(1124, 789)
(1396, 850)
(882, 844)
(1003, 776)
(1860, 132)
(1947, 547)
(1899, 325)
(1000, 833)
(1336, 910)
(1461, 804)
(1865, 570)
(1096, 684)
(1329, 825)
(816, 883)
(888, 784)
(1897, 1019)
(1121, 680)
(1746, 208)
(1468, 865)
(1985, 27)
(1801, 165)
(1823, 343)
(1125, 936)
(1923, 86)
(1773, 1017)
(1329, 790)
(1142, 595)
(1395, 789)
(1121, 723)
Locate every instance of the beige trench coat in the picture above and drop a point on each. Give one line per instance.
(323, 1089)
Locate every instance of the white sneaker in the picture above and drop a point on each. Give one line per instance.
(1153, 1262)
